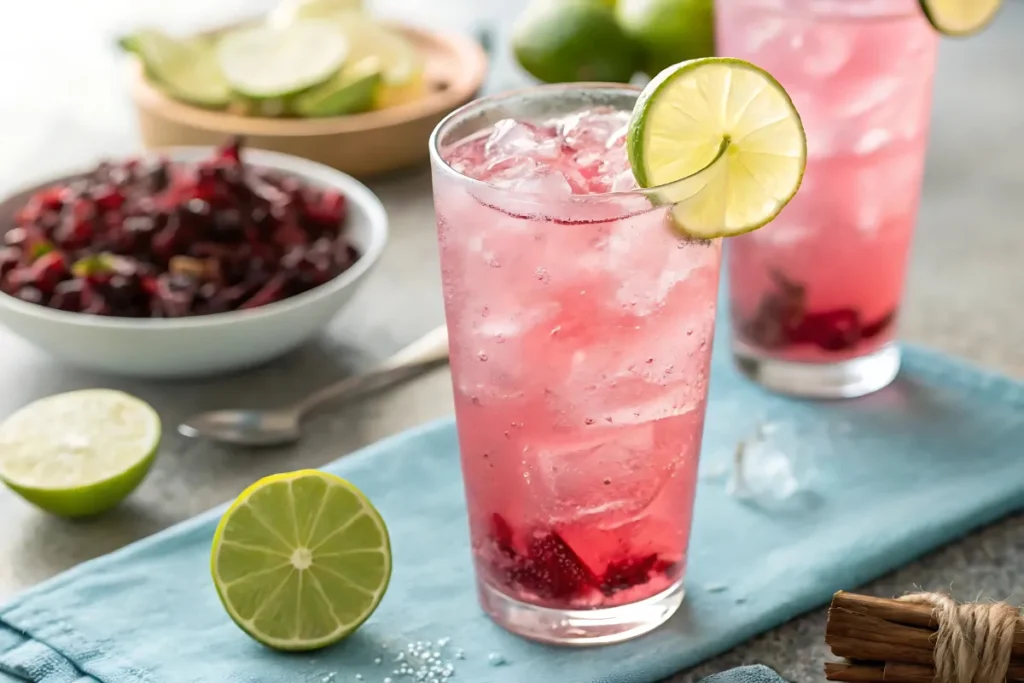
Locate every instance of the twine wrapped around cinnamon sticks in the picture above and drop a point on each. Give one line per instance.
(923, 638)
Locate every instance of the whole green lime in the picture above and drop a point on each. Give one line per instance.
(669, 31)
(560, 41)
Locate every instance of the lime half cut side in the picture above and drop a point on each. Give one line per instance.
(80, 453)
(301, 560)
(722, 142)
(265, 62)
(960, 17)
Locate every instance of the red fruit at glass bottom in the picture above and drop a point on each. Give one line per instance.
(501, 534)
(552, 569)
(628, 572)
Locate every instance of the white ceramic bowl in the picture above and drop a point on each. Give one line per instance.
(208, 344)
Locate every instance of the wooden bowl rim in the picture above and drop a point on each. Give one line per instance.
(462, 85)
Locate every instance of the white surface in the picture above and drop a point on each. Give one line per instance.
(223, 342)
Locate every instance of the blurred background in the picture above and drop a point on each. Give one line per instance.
(64, 102)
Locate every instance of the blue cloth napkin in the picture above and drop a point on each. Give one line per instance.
(884, 479)
(757, 673)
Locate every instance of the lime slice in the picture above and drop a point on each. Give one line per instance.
(723, 138)
(301, 560)
(289, 10)
(350, 92)
(960, 17)
(264, 62)
(80, 453)
(186, 69)
(401, 63)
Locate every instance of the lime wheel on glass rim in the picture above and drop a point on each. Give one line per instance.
(960, 17)
(300, 560)
(720, 140)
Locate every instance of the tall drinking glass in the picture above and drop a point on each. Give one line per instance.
(580, 329)
(814, 296)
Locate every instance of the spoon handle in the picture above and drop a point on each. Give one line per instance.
(429, 350)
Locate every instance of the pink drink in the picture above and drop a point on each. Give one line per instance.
(822, 284)
(580, 330)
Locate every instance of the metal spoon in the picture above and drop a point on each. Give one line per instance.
(283, 425)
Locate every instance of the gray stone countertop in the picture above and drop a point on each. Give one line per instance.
(63, 103)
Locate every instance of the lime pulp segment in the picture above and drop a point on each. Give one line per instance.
(721, 141)
(301, 560)
(960, 17)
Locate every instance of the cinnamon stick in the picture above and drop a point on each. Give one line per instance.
(896, 672)
(854, 673)
(891, 641)
(899, 612)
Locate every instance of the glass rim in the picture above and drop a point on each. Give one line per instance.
(656, 194)
(838, 9)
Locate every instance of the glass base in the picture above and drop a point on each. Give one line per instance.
(843, 379)
(580, 627)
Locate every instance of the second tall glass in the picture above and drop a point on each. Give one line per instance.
(814, 296)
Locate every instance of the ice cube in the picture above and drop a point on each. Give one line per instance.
(592, 129)
(624, 181)
(871, 141)
(763, 33)
(857, 97)
(550, 184)
(511, 138)
(468, 156)
(784, 233)
(598, 473)
(762, 473)
(824, 50)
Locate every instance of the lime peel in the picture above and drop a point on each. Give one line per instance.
(720, 140)
(300, 560)
(350, 92)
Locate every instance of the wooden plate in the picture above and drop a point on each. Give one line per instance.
(360, 144)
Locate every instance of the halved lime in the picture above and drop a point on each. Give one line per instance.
(960, 17)
(79, 453)
(301, 560)
(350, 92)
(265, 62)
(186, 69)
(724, 139)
